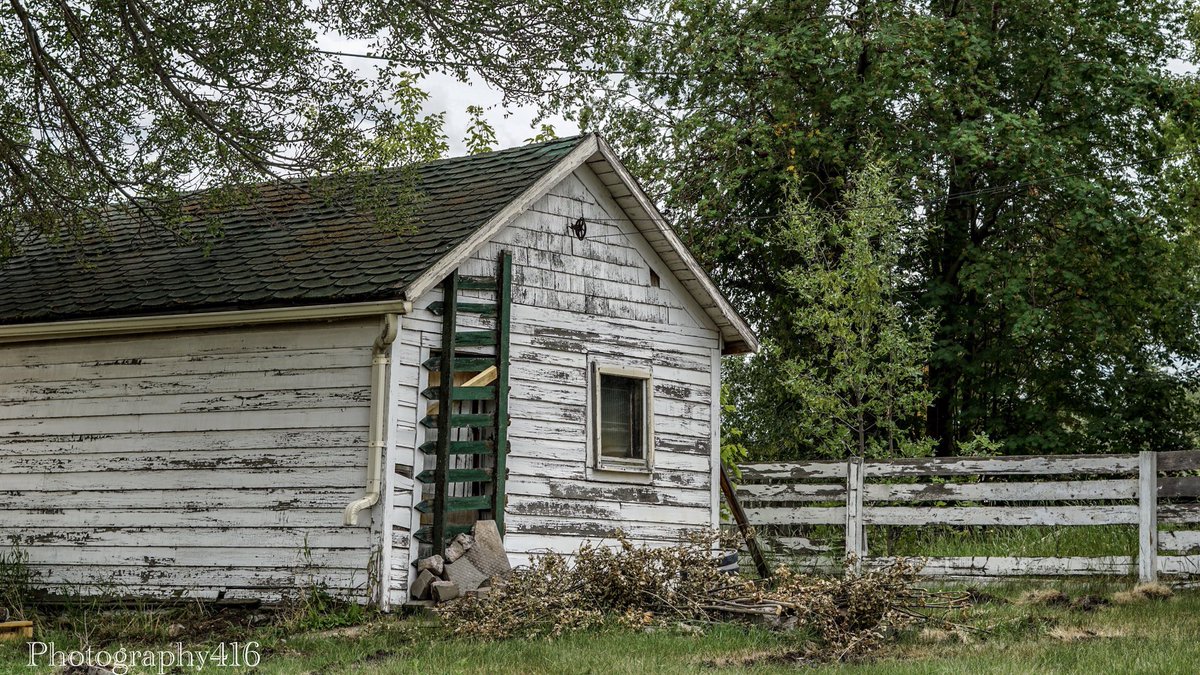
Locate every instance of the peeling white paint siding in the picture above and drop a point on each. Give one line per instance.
(201, 461)
(574, 300)
(220, 460)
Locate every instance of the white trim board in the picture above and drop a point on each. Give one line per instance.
(83, 328)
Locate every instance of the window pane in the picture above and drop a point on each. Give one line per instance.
(622, 413)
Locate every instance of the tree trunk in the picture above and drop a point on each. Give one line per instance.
(949, 248)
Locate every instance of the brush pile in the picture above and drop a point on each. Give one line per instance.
(636, 586)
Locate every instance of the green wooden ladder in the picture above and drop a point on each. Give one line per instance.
(491, 428)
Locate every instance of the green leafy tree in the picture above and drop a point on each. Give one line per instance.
(1047, 148)
(126, 103)
(481, 135)
(732, 450)
(862, 386)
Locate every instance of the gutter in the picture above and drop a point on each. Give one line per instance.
(376, 445)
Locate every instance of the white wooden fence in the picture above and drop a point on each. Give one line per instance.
(1147, 489)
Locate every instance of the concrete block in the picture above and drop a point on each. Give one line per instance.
(420, 585)
(433, 563)
(444, 591)
(458, 547)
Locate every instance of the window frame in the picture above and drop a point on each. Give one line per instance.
(598, 461)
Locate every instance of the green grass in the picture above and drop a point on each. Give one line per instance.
(1030, 540)
(944, 541)
(1009, 637)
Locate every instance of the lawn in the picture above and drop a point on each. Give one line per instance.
(1004, 632)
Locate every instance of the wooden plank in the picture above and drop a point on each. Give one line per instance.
(211, 517)
(215, 459)
(743, 524)
(452, 504)
(456, 421)
(444, 422)
(1179, 513)
(856, 547)
(201, 581)
(31, 535)
(792, 471)
(266, 499)
(797, 546)
(1004, 566)
(1001, 515)
(615, 513)
(796, 492)
(256, 420)
(463, 364)
(173, 479)
(1012, 465)
(460, 447)
(240, 402)
(499, 498)
(464, 392)
(1147, 516)
(274, 375)
(425, 534)
(481, 308)
(595, 491)
(1118, 488)
(767, 515)
(1182, 486)
(475, 338)
(88, 443)
(459, 476)
(1180, 541)
(476, 283)
(600, 530)
(1179, 460)
(1179, 565)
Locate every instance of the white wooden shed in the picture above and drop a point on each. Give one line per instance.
(262, 412)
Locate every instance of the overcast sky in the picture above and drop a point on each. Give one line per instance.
(446, 94)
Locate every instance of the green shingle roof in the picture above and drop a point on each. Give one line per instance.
(284, 247)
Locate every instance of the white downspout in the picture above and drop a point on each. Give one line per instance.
(375, 434)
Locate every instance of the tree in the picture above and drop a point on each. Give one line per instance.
(861, 388)
(126, 103)
(1046, 147)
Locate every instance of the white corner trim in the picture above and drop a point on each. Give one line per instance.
(726, 310)
(61, 330)
(452, 260)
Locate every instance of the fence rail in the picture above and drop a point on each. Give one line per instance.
(1145, 489)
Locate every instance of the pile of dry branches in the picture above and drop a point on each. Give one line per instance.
(639, 586)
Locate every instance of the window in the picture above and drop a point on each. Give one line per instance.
(623, 437)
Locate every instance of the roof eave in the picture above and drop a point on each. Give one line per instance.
(85, 328)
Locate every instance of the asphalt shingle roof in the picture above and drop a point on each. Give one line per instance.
(284, 247)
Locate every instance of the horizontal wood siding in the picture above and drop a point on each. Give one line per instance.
(574, 300)
(202, 462)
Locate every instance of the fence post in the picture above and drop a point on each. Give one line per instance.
(855, 548)
(1147, 516)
